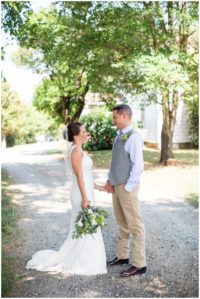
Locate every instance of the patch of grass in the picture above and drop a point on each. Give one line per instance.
(102, 159)
(8, 278)
(151, 156)
(190, 157)
(187, 157)
(193, 199)
(8, 215)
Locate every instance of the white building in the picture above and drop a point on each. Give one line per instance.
(150, 119)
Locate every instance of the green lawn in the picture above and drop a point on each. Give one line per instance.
(8, 234)
(102, 158)
(151, 157)
(190, 157)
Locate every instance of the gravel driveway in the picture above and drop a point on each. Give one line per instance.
(41, 195)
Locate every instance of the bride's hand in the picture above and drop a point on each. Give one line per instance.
(99, 188)
(85, 203)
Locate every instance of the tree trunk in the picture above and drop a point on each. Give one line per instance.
(164, 145)
(169, 119)
(65, 102)
(81, 101)
(165, 135)
(78, 112)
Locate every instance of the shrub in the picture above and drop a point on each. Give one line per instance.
(193, 199)
(99, 124)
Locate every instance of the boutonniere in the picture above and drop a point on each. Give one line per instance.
(125, 137)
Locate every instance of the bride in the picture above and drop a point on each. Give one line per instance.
(86, 255)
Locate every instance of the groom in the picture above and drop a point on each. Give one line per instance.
(123, 183)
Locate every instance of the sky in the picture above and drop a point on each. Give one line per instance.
(21, 79)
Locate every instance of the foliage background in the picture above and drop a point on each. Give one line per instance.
(98, 124)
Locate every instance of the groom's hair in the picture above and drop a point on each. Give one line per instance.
(123, 108)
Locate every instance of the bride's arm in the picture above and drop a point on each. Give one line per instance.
(76, 160)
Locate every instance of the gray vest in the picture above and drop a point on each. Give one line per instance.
(121, 164)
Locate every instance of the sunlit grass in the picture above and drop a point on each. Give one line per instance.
(190, 157)
(8, 215)
(102, 159)
(193, 199)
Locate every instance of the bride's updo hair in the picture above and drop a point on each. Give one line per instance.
(73, 130)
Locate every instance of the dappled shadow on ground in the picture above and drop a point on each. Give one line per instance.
(100, 286)
(171, 248)
(41, 195)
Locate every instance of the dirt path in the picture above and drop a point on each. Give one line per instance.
(41, 198)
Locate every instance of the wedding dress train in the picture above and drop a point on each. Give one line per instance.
(83, 256)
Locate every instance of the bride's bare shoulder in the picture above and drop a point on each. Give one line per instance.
(77, 151)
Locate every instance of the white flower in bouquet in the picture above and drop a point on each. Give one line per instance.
(80, 223)
(94, 222)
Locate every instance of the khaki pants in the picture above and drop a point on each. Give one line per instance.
(127, 214)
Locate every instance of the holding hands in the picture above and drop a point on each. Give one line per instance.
(106, 188)
(109, 188)
(99, 188)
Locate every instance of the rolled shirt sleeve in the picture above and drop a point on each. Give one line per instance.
(134, 146)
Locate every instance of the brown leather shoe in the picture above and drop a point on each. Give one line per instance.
(117, 261)
(133, 271)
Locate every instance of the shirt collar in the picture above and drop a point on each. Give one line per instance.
(127, 129)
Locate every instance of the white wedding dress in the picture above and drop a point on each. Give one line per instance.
(83, 256)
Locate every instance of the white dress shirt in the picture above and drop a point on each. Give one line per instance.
(133, 146)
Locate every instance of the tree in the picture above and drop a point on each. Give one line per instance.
(73, 47)
(178, 21)
(21, 122)
(55, 37)
(13, 112)
(109, 47)
(170, 67)
(13, 15)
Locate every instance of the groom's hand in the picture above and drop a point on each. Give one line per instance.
(108, 187)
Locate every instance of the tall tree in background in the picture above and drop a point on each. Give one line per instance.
(169, 71)
(178, 22)
(77, 45)
(109, 47)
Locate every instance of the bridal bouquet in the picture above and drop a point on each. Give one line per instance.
(88, 220)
